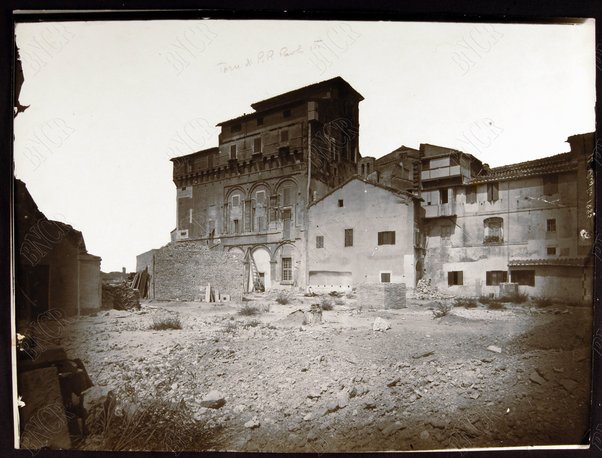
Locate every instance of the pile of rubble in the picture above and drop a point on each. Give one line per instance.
(424, 291)
(120, 297)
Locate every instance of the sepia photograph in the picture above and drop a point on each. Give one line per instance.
(270, 235)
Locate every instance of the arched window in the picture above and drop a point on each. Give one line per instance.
(493, 230)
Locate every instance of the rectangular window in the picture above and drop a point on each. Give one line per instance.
(493, 192)
(287, 197)
(284, 135)
(455, 278)
(236, 201)
(286, 113)
(232, 151)
(287, 269)
(348, 237)
(551, 250)
(257, 145)
(551, 225)
(443, 196)
(235, 128)
(523, 277)
(550, 185)
(386, 238)
(236, 226)
(495, 277)
(260, 121)
(385, 277)
(319, 241)
(341, 204)
(471, 194)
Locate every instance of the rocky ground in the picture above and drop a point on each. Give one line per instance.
(473, 378)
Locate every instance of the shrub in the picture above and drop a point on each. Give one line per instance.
(251, 324)
(283, 298)
(230, 327)
(519, 298)
(441, 309)
(543, 301)
(496, 304)
(326, 304)
(466, 302)
(164, 323)
(248, 310)
(336, 294)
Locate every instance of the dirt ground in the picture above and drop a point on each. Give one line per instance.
(425, 383)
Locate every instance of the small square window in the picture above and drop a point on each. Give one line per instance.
(385, 277)
(319, 241)
(286, 113)
(551, 250)
(284, 135)
(455, 278)
(235, 128)
(340, 202)
(551, 225)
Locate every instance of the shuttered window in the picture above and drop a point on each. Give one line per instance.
(455, 278)
(348, 237)
(386, 238)
(495, 277)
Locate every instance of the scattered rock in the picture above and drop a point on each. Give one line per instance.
(332, 406)
(494, 349)
(252, 423)
(213, 400)
(424, 435)
(394, 382)
(392, 428)
(343, 399)
(380, 325)
(568, 384)
(423, 354)
(308, 417)
(536, 378)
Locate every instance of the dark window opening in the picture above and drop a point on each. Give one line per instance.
(551, 250)
(260, 121)
(319, 241)
(493, 230)
(495, 277)
(551, 225)
(443, 196)
(236, 228)
(286, 113)
(386, 238)
(284, 135)
(550, 185)
(385, 277)
(232, 151)
(523, 277)
(257, 145)
(471, 194)
(493, 192)
(235, 128)
(340, 202)
(348, 237)
(455, 278)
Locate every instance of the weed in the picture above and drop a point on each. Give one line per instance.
(251, 324)
(339, 302)
(248, 310)
(442, 309)
(283, 298)
(230, 327)
(164, 323)
(336, 294)
(496, 305)
(466, 302)
(326, 303)
(543, 301)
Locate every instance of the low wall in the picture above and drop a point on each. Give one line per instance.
(183, 270)
(381, 295)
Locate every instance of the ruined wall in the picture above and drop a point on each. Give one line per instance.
(90, 287)
(381, 295)
(183, 269)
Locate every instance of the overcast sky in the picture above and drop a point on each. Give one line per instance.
(111, 102)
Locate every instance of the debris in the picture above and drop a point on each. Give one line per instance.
(536, 378)
(308, 417)
(394, 382)
(494, 349)
(422, 355)
(213, 400)
(252, 423)
(380, 324)
(314, 315)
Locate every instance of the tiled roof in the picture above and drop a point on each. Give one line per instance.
(581, 261)
(552, 164)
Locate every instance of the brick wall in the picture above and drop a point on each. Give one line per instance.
(381, 295)
(183, 269)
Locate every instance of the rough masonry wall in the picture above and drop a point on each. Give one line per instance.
(183, 269)
(381, 295)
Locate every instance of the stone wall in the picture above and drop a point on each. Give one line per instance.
(381, 295)
(183, 270)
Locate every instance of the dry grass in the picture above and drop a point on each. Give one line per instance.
(466, 302)
(164, 323)
(442, 309)
(326, 303)
(248, 310)
(283, 298)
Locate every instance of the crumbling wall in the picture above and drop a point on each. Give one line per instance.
(381, 295)
(183, 270)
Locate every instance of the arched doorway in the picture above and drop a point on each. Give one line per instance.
(262, 256)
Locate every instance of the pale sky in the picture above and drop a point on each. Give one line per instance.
(111, 102)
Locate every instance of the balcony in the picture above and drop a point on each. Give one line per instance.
(438, 210)
(442, 172)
